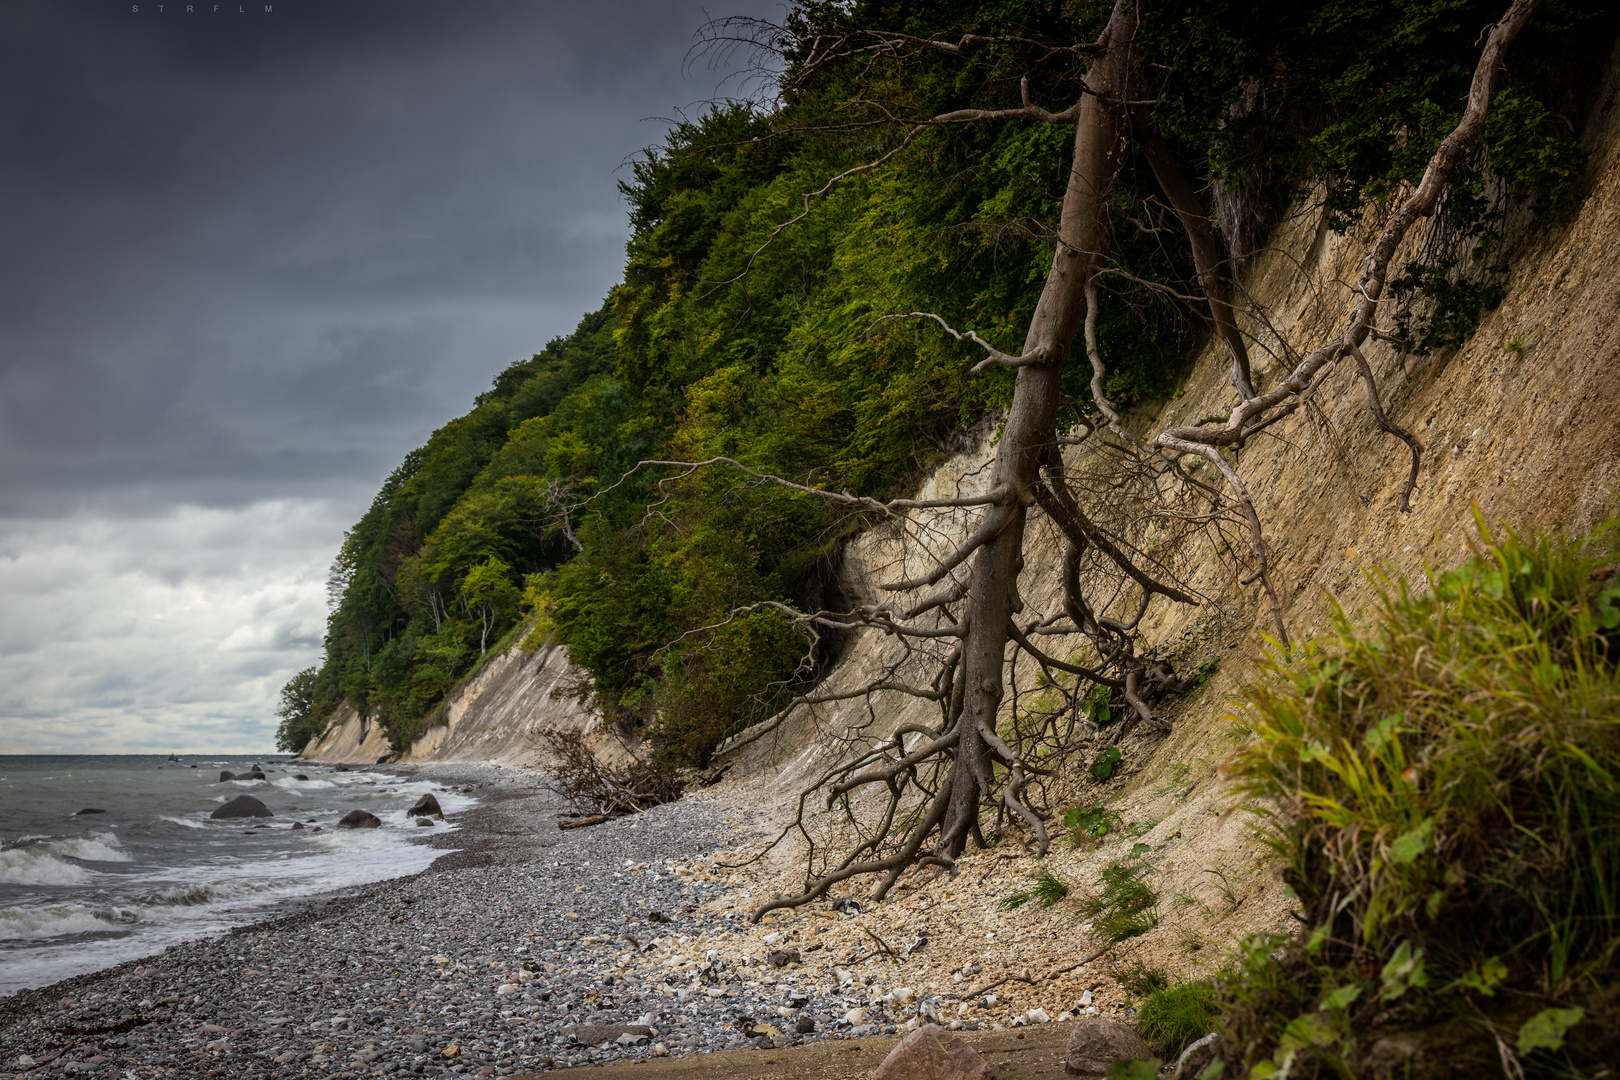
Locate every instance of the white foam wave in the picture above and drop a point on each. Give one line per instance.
(36, 865)
(293, 784)
(187, 822)
(26, 924)
(97, 847)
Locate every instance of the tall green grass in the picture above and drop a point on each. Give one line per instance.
(1445, 788)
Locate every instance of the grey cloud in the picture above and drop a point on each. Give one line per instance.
(245, 265)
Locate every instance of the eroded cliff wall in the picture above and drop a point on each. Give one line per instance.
(1521, 420)
(495, 717)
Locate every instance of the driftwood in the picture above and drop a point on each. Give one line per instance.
(580, 823)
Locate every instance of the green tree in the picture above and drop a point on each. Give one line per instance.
(297, 712)
(489, 596)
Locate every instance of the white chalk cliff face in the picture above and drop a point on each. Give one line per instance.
(1520, 421)
(495, 717)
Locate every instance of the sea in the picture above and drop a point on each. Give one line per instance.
(83, 891)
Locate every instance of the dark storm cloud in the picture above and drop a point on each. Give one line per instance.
(247, 261)
(244, 254)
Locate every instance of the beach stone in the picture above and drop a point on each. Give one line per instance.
(597, 1034)
(341, 768)
(359, 819)
(933, 1052)
(782, 957)
(298, 824)
(426, 806)
(804, 1025)
(240, 807)
(424, 821)
(1097, 1045)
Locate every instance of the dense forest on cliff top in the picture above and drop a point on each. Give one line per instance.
(730, 337)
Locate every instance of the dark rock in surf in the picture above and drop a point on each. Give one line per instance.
(240, 807)
(224, 776)
(424, 821)
(89, 810)
(299, 776)
(426, 806)
(359, 819)
(342, 768)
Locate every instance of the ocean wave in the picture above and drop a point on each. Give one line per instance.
(187, 822)
(32, 924)
(96, 847)
(196, 893)
(36, 865)
(294, 784)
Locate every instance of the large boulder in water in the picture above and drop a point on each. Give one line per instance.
(242, 806)
(426, 806)
(224, 776)
(359, 819)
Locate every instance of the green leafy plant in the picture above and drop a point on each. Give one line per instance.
(1103, 766)
(1452, 305)
(1089, 823)
(1096, 707)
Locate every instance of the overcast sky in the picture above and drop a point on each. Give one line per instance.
(247, 261)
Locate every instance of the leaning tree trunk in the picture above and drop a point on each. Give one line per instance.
(1027, 439)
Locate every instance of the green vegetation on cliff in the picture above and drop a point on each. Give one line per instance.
(729, 338)
(1445, 789)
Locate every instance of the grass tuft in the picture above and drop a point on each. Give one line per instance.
(1125, 907)
(1445, 789)
(1173, 1016)
(1049, 889)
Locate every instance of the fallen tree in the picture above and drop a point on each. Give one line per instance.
(965, 620)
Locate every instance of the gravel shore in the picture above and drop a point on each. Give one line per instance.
(485, 964)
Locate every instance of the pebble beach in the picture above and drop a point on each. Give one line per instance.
(523, 948)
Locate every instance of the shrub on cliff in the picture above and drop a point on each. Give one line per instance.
(1446, 790)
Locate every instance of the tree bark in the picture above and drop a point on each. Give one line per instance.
(1099, 144)
(1201, 239)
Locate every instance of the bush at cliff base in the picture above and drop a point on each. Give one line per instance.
(1445, 788)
